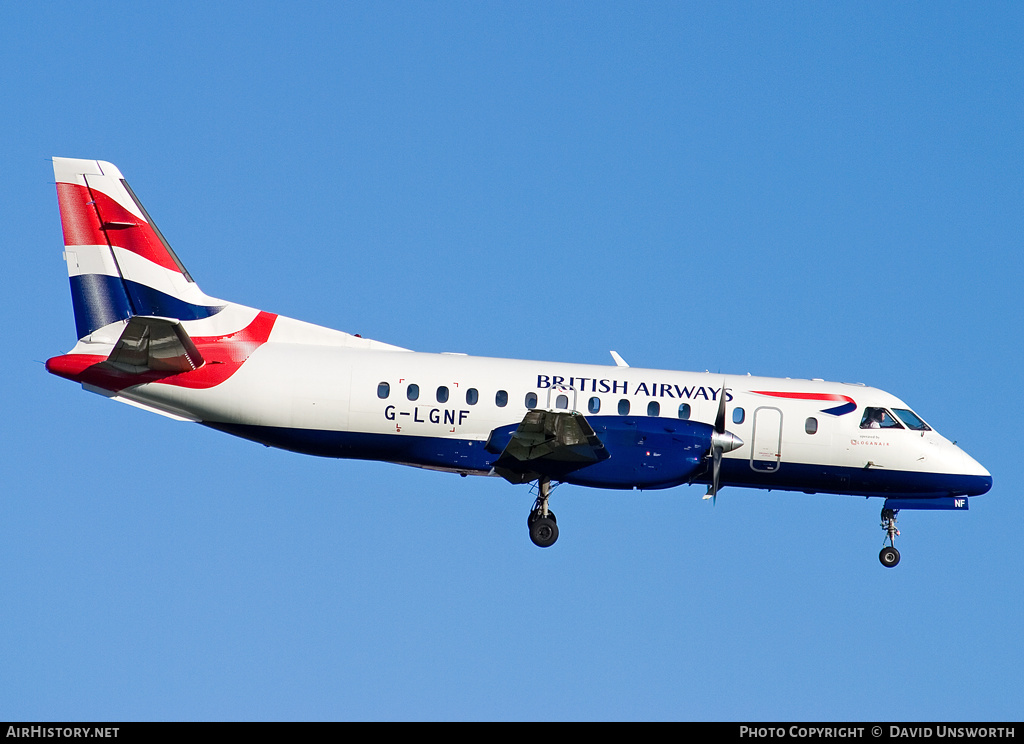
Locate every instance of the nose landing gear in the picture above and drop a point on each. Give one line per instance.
(889, 555)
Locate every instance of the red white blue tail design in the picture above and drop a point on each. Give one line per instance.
(119, 264)
(140, 317)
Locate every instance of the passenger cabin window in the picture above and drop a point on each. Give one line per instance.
(623, 407)
(594, 405)
(811, 425)
(501, 398)
(531, 400)
(684, 411)
(442, 394)
(472, 396)
(383, 390)
(562, 402)
(412, 392)
(738, 415)
(879, 418)
(654, 408)
(911, 419)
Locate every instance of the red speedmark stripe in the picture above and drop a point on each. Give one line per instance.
(224, 355)
(806, 396)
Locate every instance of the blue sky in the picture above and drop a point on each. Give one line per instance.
(812, 190)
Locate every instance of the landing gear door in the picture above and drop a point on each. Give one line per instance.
(766, 448)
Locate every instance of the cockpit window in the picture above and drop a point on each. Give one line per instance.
(911, 419)
(879, 418)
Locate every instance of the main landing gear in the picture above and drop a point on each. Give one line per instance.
(543, 528)
(889, 555)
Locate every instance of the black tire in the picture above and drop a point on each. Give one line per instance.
(535, 515)
(543, 532)
(889, 557)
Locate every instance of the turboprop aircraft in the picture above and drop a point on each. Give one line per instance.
(148, 336)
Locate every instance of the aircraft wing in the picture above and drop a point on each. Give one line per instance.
(545, 443)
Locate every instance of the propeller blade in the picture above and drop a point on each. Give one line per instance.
(721, 442)
(720, 416)
(716, 470)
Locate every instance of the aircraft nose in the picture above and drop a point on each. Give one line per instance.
(980, 477)
(972, 466)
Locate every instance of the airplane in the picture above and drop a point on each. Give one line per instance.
(149, 337)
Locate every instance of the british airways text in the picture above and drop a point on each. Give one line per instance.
(648, 388)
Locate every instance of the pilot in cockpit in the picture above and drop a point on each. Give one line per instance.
(878, 418)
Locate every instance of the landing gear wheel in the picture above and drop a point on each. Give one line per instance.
(543, 528)
(535, 515)
(889, 557)
(543, 532)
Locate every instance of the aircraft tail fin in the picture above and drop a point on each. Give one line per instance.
(119, 264)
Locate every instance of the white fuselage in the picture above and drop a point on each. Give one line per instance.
(323, 387)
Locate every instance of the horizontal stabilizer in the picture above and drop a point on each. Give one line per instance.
(154, 344)
(549, 443)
